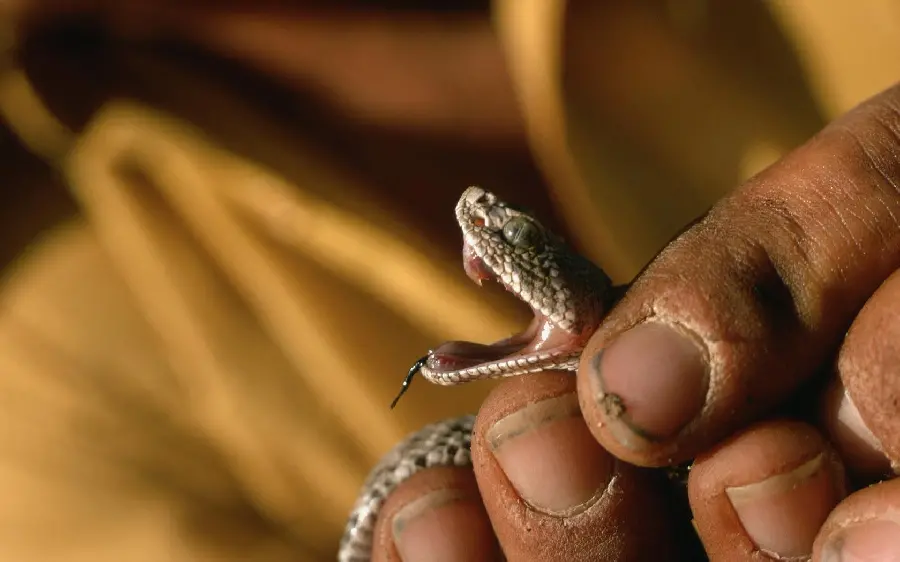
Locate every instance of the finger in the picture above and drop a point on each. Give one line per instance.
(764, 494)
(869, 367)
(864, 527)
(551, 491)
(751, 301)
(435, 516)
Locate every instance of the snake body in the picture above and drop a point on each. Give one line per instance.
(569, 296)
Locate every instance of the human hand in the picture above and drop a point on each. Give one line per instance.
(785, 287)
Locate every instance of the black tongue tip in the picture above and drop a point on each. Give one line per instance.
(403, 390)
(417, 366)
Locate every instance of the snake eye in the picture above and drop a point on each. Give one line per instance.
(521, 232)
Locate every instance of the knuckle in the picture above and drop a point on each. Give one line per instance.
(870, 140)
(821, 229)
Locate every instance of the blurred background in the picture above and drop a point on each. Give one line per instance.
(227, 227)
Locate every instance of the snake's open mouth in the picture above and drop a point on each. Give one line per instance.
(541, 334)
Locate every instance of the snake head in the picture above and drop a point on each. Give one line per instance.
(566, 292)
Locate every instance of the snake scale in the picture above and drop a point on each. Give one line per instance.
(569, 296)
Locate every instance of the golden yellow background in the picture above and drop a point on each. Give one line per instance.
(208, 304)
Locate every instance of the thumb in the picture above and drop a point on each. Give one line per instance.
(751, 301)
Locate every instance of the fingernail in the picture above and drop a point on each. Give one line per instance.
(876, 539)
(444, 526)
(854, 441)
(550, 456)
(783, 513)
(650, 383)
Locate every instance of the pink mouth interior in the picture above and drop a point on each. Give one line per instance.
(474, 266)
(458, 355)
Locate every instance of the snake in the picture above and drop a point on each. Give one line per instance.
(569, 297)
